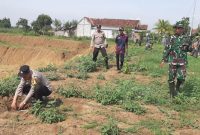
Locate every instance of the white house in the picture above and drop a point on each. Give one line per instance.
(87, 26)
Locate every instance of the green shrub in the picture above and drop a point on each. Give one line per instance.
(47, 115)
(70, 75)
(126, 68)
(101, 77)
(48, 68)
(107, 95)
(37, 108)
(51, 115)
(86, 64)
(71, 91)
(8, 85)
(110, 128)
(134, 107)
(53, 77)
(82, 75)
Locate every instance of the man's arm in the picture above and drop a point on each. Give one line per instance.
(34, 82)
(17, 93)
(92, 41)
(126, 45)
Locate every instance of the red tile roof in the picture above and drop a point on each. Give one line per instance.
(117, 23)
(142, 27)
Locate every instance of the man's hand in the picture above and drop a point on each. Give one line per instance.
(14, 105)
(162, 64)
(91, 48)
(106, 46)
(21, 106)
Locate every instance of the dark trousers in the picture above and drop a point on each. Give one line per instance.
(39, 91)
(103, 52)
(121, 57)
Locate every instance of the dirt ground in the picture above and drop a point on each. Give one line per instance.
(17, 50)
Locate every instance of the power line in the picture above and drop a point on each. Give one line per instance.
(195, 2)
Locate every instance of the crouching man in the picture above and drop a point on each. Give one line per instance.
(32, 84)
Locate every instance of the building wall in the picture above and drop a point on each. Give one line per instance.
(61, 33)
(83, 28)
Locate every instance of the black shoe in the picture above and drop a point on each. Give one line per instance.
(172, 90)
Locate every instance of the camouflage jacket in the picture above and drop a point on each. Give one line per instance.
(174, 53)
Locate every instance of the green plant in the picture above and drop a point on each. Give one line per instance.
(86, 64)
(82, 75)
(48, 68)
(157, 127)
(101, 77)
(126, 68)
(134, 107)
(71, 91)
(110, 128)
(37, 108)
(91, 125)
(51, 115)
(8, 85)
(53, 77)
(47, 115)
(107, 95)
(70, 75)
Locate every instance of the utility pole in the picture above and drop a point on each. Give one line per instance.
(195, 2)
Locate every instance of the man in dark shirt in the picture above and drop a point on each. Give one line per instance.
(121, 47)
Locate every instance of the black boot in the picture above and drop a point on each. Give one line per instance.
(178, 84)
(121, 65)
(172, 89)
(117, 61)
(107, 67)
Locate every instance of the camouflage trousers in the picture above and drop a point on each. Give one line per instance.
(177, 72)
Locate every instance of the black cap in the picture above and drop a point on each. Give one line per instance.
(98, 26)
(178, 25)
(121, 29)
(24, 70)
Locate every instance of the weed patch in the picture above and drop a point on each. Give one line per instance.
(8, 85)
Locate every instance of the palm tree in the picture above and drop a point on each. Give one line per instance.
(163, 27)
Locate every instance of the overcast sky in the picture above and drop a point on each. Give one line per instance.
(148, 11)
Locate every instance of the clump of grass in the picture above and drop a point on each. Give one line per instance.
(134, 107)
(71, 91)
(47, 115)
(53, 77)
(82, 75)
(8, 85)
(110, 128)
(91, 125)
(126, 68)
(48, 68)
(86, 64)
(107, 95)
(101, 77)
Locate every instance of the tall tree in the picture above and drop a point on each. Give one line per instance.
(70, 24)
(5, 23)
(23, 23)
(164, 27)
(42, 25)
(186, 22)
(35, 27)
(57, 24)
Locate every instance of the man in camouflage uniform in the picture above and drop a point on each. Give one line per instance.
(149, 41)
(196, 46)
(176, 55)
